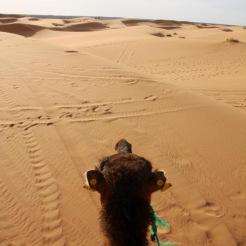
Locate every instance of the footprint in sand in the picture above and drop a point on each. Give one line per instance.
(151, 98)
(95, 108)
(131, 81)
(41, 117)
(15, 86)
(84, 101)
(71, 51)
(66, 115)
(83, 109)
(212, 210)
(104, 109)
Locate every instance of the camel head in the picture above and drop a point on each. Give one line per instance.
(125, 182)
(124, 174)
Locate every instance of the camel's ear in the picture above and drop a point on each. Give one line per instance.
(94, 180)
(157, 181)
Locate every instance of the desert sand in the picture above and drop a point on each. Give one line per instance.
(69, 89)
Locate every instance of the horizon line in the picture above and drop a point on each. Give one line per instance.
(115, 17)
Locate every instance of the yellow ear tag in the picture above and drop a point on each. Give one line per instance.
(166, 186)
(93, 182)
(160, 182)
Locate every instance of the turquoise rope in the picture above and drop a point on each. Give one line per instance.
(156, 221)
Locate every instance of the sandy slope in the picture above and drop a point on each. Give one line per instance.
(67, 97)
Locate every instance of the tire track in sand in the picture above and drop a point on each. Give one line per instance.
(48, 190)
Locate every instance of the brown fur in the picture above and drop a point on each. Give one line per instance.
(125, 214)
(123, 146)
(125, 205)
(125, 182)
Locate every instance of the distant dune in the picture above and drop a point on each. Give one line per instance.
(82, 27)
(8, 20)
(26, 30)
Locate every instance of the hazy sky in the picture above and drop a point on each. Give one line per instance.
(216, 11)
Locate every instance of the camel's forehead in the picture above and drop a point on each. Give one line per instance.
(126, 161)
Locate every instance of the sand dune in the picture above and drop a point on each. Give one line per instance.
(165, 23)
(8, 20)
(24, 26)
(83, 27)
(26, 30)
(67, 96)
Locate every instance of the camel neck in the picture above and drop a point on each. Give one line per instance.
(125, 223)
